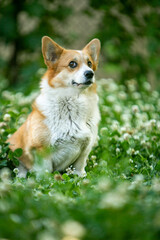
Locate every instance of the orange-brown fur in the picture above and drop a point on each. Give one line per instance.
(32, 134)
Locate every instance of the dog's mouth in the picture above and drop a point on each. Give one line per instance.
(88, 83)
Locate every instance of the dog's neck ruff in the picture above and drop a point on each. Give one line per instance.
(68, 112)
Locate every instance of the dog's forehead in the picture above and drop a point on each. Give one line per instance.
(82, 54)
(77, 55)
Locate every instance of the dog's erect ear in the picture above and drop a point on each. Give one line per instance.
(93, 48)
(51, 51)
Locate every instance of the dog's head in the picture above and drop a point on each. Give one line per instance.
(70, 68)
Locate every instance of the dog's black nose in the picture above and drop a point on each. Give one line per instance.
(88, 74)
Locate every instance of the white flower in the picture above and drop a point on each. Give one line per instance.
(115, 126)
(111, 98)
(31, 182)
(118, 150)
(122, 95)
(16, 170)
(95, 164)
(4, 187)
(131, 151)
(151, 167)
(136, 137)
(138, 179)
(2, 130)
(8, 95)
(158, 125)
(116, 198)
(147, 86)
(144, 116)
(135, 109)
(45, 235)
(37, 193)
(15, 218)
(67, 238)
(126, 117)
(106, 109)
(112, 87)
(25, 110)
(113, 200)
(7, 117)
(155, 94)
(93, 157)
(4, 155)
(9, 135)
(130, 160)
(103, 184)
(124, 176)
(103, 131)
(123, 129)
(86, 181)
(148, 107)
(5, 174)
(3, 124)
(28, 99)
(21, 120)
(117, 108)
(73, 228)
(156, 185)
(136, 95)
(143, 142)
(136, 152)
(153, 122)
(126, 136)
(41, 71)
(70, 170)
(132, 85)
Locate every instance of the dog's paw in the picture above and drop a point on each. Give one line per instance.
(80, 173)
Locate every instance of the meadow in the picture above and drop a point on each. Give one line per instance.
(120, 196)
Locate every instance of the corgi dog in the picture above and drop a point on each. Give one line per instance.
(65, 115)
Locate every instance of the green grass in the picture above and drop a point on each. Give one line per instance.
(120, 196)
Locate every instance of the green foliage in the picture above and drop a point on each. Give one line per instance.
(129, 33)
(118, 199)
(22, 25)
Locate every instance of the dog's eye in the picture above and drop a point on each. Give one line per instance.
(89, 64)
(73, 64)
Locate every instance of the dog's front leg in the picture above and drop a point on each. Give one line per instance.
(80, 164)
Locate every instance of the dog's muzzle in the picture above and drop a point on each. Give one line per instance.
(88, 79)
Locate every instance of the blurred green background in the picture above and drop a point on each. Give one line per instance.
(129, 32)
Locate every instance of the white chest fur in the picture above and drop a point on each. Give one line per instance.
(72, 120)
